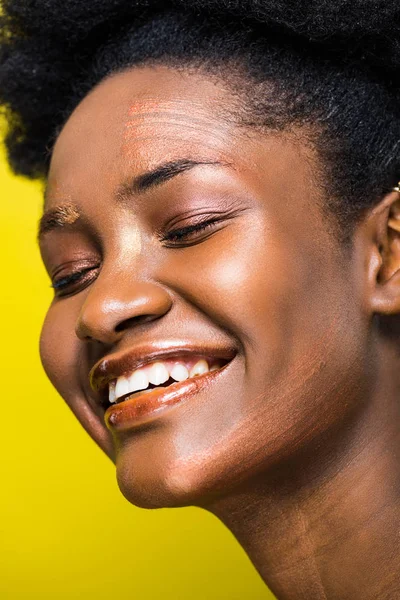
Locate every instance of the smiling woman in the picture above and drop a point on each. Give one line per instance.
(221, 230)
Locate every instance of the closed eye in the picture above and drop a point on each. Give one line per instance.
(184, 233)
(74, 282)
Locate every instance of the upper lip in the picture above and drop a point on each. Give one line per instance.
(112, 367)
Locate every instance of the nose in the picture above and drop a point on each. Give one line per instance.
(112, 307)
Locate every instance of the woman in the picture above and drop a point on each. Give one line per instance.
(221, 229)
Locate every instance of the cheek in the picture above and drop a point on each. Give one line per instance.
(224, 277)
(288, 307)
(249, 280)
(63, 356)
(59, 348)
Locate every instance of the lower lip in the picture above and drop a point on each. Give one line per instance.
(142, 409)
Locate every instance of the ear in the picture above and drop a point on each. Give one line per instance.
(382, 232)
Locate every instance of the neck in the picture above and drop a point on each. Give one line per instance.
(327, 525)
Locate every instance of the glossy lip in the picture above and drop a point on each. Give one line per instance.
(108, 369)
(147, 407)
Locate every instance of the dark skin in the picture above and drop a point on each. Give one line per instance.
(297, 452)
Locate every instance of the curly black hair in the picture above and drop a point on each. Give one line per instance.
(329, 66)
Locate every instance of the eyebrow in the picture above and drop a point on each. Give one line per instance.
(60, 216)
(161, 174)
(66, 214)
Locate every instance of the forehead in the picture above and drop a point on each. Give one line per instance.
(140, 118)
(135, 121)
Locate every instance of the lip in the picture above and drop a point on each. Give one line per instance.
(149, 406)
(111, 368)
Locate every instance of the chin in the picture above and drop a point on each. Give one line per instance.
(165, 483)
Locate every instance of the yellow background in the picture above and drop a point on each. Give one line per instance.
(66, 531)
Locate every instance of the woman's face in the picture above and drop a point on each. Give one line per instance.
(263, 292)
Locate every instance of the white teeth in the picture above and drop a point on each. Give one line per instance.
(179, 373)
(122, 387)
(199, 368)
(127, 385)
(158, 373)
(138, 380)
(111, 393)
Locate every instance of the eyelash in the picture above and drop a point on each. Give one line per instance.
(64, 282)
(177, 235)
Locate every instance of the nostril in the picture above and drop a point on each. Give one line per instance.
(138, 320)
